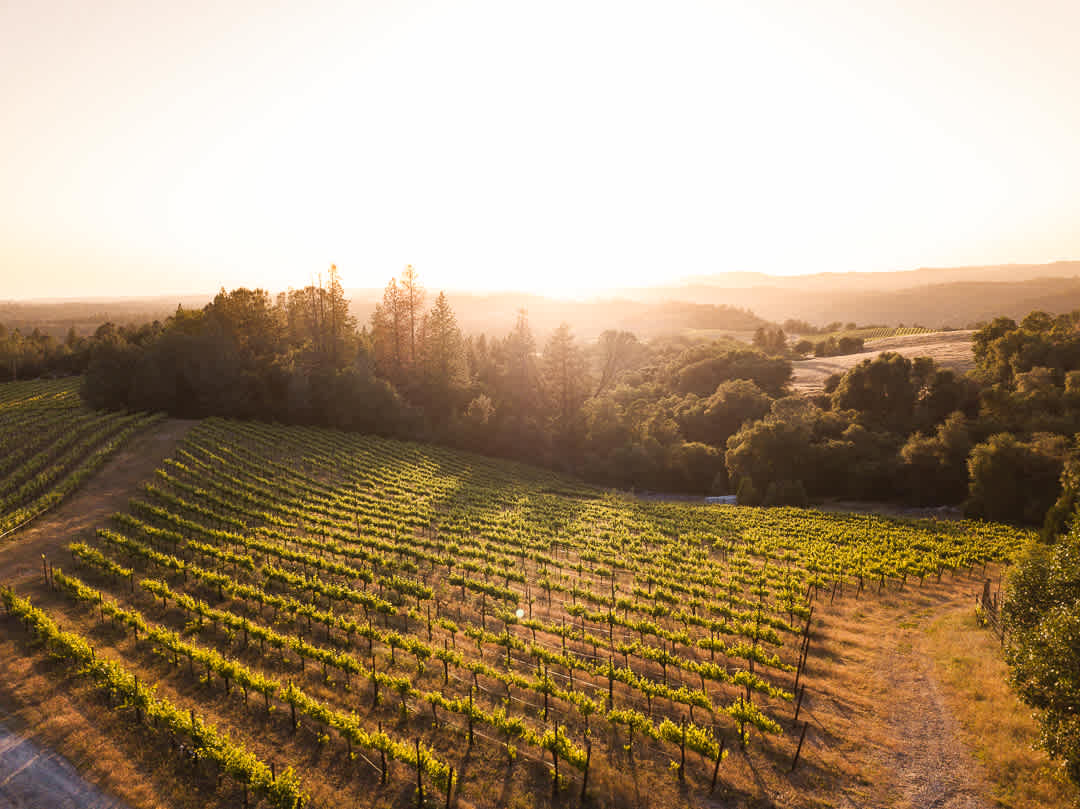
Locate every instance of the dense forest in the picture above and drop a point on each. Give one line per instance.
(669, 414)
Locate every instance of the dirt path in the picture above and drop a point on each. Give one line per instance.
(934, 768)
(894, 726)
(87, 508)
(32, 775)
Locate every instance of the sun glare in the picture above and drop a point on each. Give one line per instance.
(563, 148)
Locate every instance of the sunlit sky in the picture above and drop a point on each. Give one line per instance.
(152, 147)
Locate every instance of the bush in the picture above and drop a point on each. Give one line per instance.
(1015, 481)
(786, 493)
(747, 495)
(1041, 611)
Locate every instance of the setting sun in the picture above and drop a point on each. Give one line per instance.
(560, 148)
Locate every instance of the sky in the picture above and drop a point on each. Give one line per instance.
(557, 147)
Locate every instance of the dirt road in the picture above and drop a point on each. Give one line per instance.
(87, 508)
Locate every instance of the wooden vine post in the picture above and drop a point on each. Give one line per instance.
(419, 779)
(470, 716)
(555, 758)
(802, 738)
(716, 768)
(588, 758)
(798, 702)
(682, 751)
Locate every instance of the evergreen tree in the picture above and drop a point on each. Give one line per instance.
(565, 378)
(442, 357)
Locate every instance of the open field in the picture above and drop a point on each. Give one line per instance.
(332, 600)
(949, 349)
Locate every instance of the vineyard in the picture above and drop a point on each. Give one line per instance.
(878, 332)
(412, 622)
(50, 443)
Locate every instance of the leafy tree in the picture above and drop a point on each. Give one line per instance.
(768, 451)
(771, 340)
(935, 467)
(702, 377)
(1014, 480)
(786, 493)
(880, 390)
(1041, 611)
(1056, 521)
(715, 419)
(695, 466)
(616, 350)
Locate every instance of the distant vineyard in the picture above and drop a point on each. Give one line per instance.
(328, 576)
(50, 443)
(877, 332)
(904, 331)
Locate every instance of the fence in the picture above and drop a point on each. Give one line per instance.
(989, 612)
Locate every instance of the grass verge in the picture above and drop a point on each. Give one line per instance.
(998, 727)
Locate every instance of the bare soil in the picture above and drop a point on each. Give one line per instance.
(949, 349)
(885, 712)
(86, 509)
(41, 711)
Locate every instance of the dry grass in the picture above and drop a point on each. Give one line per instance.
(906, 700)
(997, 726)
(950, 349)
(869, 744)
(42, 702)
(757, 776)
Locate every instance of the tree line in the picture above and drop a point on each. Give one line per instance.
(670, 414)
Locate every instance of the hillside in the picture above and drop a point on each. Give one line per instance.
(948, 349)
(305, 588)
(954, 304)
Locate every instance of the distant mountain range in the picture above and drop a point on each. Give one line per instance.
(937, 297)
(713, 304)
(934, 297)
(885, 281)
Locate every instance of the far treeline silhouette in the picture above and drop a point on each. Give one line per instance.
(671, 415)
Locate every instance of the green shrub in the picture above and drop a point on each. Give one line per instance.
(1041, 611)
